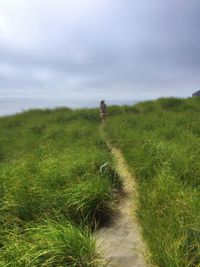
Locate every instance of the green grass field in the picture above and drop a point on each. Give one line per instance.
(53, 195)
(160, 141)
(52, 192)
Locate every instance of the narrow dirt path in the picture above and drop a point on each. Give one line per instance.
(121, 239)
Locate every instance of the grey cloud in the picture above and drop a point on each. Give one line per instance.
(83, 48)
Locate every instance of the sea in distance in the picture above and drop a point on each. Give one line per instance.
(9, 106)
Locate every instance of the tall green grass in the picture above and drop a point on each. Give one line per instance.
(160, 141)
(49, 169)
(51, 244)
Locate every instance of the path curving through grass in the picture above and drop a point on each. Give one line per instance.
(121, 238)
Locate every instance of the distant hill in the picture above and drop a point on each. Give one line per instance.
(197, 93)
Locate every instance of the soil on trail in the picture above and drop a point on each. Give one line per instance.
(121, 239)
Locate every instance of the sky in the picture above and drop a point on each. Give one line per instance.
(93, 49)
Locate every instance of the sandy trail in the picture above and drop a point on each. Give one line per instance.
(121, 239)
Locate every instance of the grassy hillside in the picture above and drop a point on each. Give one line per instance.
(53, 195)
(52, 192)
(160, 141)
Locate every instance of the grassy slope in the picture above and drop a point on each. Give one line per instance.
(51, 190)
(160, 141)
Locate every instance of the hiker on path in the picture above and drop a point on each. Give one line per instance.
(103, 110)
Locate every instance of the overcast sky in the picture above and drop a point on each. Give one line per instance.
(91, 49)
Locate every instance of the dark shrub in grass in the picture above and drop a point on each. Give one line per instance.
(90, 202)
